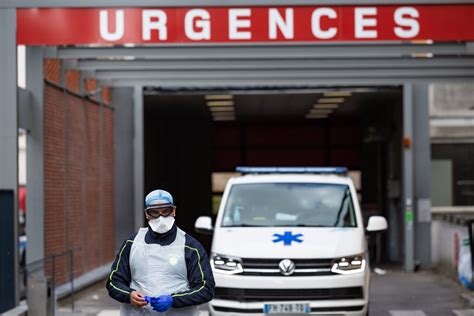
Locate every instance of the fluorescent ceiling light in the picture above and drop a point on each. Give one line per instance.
(224, 118)
(325, 106)
(330, 100)
(338, 94)
(422, 55)
(222, 109)
(429, 42)
(216, 114)
(318, 116)
(220, 103)
(219, 97)
(320, 111)
(222, 112)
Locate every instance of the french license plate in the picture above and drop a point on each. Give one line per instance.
(287, 308)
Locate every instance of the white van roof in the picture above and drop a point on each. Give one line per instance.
(293, 178)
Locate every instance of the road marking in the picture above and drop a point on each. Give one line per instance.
(117, 313)
(407, 313)
(463, 312)
(109, 313)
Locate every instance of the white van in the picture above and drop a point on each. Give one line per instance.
(290, 241)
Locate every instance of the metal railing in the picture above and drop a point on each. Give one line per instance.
(51, 279)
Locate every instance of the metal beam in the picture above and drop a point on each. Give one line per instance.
(287, 74)
(273, 83)
(138, 156)
(268, 52)
(408, 177)
(9, 159)
(307, 64)
(204, 3)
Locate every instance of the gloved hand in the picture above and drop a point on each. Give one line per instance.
(160, 304)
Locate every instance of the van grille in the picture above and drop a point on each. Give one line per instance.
(255, 295)
(303, 267)
(341, 309)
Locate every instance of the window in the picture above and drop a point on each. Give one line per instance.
(452, 170)
(289, 204)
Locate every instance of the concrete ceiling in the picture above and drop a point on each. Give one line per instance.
(286, 105)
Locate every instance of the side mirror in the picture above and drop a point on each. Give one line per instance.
(203, 225)
(377, 223)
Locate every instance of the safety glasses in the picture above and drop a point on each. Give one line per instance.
(160, 211)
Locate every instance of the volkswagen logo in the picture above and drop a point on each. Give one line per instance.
(287, 267)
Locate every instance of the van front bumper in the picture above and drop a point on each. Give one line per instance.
(326, 295)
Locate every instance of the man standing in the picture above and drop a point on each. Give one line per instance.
(161, 268)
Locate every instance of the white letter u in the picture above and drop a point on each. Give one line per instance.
(104, 25)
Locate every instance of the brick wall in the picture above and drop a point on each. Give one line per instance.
(52, 70)
(74, 217)
(54, 166)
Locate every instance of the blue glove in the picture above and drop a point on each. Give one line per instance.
(160, 304)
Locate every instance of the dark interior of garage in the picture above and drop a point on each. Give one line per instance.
(192, 137)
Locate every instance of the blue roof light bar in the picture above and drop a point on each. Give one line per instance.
(317, 170)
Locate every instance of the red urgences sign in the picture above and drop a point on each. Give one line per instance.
(245, 24)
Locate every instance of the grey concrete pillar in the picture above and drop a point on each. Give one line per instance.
(123, 100)
(138, 156)
(35, 156)
(9, 160)
(422, 174)
(37, 292)
(407, 177)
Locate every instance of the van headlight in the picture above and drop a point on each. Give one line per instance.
(349, 264)
(226, 265)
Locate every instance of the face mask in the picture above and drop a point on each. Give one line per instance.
(161, 224)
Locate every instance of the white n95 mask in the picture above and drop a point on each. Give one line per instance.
(161, 224)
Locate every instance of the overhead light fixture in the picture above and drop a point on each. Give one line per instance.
(316, 116)
(222, 109)
(338, 94)
(223, 118)
(219, 97)
(223, 113)
(320, 111)
(220, 103)
(427, 41)
(330, 100)
(422, 55)
(326, 106)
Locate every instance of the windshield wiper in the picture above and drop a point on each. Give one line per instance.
(306, 225)
(245, 225)
(300, 225)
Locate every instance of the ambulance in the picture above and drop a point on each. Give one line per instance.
(290, 241)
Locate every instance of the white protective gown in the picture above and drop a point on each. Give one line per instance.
(158, 270)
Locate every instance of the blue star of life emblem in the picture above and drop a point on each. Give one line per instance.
(287, 238)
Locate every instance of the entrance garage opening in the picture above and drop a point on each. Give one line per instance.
(194, 139)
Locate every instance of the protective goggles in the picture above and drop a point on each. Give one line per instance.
(156, 212)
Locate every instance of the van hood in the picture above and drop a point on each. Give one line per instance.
(288, 242)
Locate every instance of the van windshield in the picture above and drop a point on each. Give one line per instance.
(289, 204)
